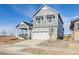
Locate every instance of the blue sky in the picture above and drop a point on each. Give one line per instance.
(11, 14)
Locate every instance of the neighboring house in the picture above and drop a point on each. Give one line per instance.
(47, 24)
(24, 30)
(74, 26)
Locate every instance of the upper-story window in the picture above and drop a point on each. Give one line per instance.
(39, 18)
(50, 17)
(78, 26)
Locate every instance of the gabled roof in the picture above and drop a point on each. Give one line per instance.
(29, 24)
(73, 22)
(50, 9)
(42, 7)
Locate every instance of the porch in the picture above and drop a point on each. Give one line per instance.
(23, 30)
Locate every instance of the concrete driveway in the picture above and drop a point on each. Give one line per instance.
(14, 49)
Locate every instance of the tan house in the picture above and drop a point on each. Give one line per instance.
(74, 26)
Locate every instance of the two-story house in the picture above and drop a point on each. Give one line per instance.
(47, 24)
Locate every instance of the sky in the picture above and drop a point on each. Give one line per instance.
(12, 14)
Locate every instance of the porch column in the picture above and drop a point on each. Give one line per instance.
(17, 33)
(22, 33)
(26, 35)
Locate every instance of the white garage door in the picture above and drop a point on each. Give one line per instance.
(40, 35)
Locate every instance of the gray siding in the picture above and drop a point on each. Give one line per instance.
(44, 22)
(60, 29)
(56, 23)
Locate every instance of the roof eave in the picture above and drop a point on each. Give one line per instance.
(72, 25)
(60, 18)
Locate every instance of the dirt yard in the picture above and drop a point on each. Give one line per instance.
(41, 51)
(58, 47)
(8, 39)
(58, 43)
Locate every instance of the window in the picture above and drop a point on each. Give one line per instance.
(37, 31)
(78, 26)
(41, 31)
(45, 31)
(33, 31)
(50, 17)
(39, 18)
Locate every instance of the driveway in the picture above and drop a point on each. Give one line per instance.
(14, 49)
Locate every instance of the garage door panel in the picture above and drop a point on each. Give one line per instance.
(40, 36)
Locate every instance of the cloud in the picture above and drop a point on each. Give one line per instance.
(66, 28)
(66, 25)
(25, 10)
(30, 12)
(75, 17)
(8, 29)
(67, 21)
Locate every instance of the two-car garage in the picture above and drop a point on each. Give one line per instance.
(41, 33)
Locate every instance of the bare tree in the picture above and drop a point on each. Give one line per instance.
(11, 34)
(3, 32)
